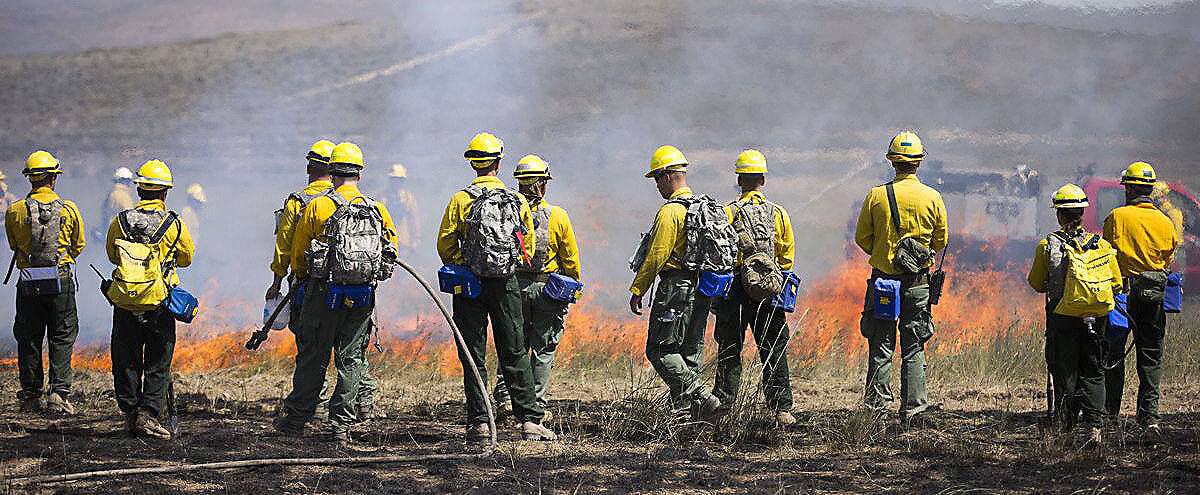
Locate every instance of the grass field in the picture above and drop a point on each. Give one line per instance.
(988, 434)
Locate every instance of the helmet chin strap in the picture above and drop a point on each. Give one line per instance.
(533, 192)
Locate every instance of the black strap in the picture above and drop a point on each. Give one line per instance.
(891, 193)
(162, 228)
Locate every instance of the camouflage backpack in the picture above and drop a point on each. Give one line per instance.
(755, 225)
(541, 252)
(300, 197)
(710, 242)
(493, 237)
(45, 222)
(356, 251)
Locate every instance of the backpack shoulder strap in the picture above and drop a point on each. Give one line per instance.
(166, 224)
(123, 222)
(891, 194)
(473, 191)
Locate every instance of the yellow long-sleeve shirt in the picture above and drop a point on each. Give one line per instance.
(455, 216)
(312, 225)
(922, 215)
(177, 236)
(666, 243)
(288, 218)
(119, 199)
(1145, 239)
(1039, 272)
(71, 239)
(562, 251)
(405, 205)
(785, 243)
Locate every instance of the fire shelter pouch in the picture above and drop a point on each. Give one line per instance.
(1118, 319)
(1173, 300)
(340, 296)
(459, 280)
(885, 299)
(786, 298)
(182, 305)
(562, 288)
(714, 284)
(1149, 286)
(42, 281)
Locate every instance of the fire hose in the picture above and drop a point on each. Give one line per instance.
(470, 363)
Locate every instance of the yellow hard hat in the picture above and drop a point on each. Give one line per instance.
(751, 162)
(1070, 196)
(41, 162)
(530, 168)
(1139, 173)
(399, 172)
(320, 151)
(2, 175)
(154, 176)
(483, 148)
(196, 192)
(906, 147)
(346, 154)
(667, 159)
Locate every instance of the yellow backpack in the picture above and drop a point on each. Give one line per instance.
(1090, 278)
(139, 279)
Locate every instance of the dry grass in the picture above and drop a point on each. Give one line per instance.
(618, 434)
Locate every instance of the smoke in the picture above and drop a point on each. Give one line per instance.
(593, 88)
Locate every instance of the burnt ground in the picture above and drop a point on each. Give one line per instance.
(980, 441)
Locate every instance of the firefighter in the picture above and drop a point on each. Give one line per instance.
(7, 198)
(343, 326)
(119, 199)
(143, 332)
(1074, 351)
(45, 233)
(404, 205)
(921, 216)
(555, 252)
(190, 214)
(319, 183)
(500, 299)
(1145, 240)
(767, 229)
(675, 337)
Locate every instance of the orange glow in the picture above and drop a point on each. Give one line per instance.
(978, 307)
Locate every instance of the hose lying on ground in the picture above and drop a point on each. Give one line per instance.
(474, 370)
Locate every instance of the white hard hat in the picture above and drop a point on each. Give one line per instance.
(123, 174)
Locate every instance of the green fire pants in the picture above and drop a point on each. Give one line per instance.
(1149, 327)
(769, 328)
(915, 328)
(53, 318)
(142, 347)
(1074, 356)
(545, 319)
(366, 385)
(322, 331)
(500, 301)
(675, 339)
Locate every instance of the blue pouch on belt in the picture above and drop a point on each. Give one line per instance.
(459, 280)
(339, 296)
(886, 299)
(1173, 299)
(786, 298)
(181, 304)
(714, 284)
(562, 288)
(1118, 319)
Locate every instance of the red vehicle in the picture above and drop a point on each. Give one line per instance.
(1108, 194)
